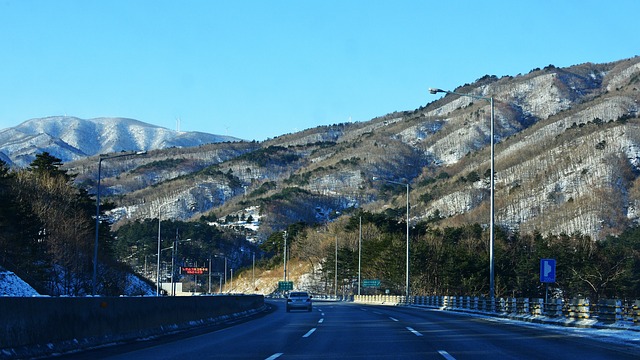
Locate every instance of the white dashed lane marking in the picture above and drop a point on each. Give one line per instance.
(309, 333)
(416, 333)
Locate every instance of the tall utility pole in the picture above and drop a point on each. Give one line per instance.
(159, 249)
(492, 289)
(102, 157)
(360, 256)
(335, 282)
(406, 289)
(285, 255)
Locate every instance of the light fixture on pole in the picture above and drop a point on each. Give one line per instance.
(95, 246)
(158, 266)
(491, 181)
(284, 236)
(360, 256)
(225, 270)
(407, 260)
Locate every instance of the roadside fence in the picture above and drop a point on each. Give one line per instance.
(607, 311)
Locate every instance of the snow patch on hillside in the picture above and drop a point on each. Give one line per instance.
(12, 285)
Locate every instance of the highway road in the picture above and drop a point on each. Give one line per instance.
(337, 330)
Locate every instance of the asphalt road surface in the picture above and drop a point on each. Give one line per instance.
(356, 331)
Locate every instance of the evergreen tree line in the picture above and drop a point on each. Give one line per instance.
(455, 260)
(47, 236)
(196, 243)
(47, 232)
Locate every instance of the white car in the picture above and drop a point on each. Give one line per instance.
(299, 300)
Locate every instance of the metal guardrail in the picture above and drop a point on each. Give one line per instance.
(608, 311)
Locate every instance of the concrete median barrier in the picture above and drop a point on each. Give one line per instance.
(43, 322)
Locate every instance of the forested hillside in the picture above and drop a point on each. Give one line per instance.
(455, 260)
(47, 236)
(566, 161)
(567, 166)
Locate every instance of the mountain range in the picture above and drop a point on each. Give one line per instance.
(567, 160)
(71, 138)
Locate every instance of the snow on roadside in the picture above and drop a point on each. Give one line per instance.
(12, 285)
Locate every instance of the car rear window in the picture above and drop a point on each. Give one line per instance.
(298, 294)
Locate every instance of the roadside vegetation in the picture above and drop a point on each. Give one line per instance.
(455, 260)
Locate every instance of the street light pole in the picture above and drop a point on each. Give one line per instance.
(284, 235)
(335, 281)
(95, 245)
(492, 185)
(360, 257)
(158, 266)
(407, 260)
(225, 270)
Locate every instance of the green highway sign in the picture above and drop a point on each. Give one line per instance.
(285, 285)
(371, 283)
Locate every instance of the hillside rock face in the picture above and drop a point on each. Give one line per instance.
(567, 160)
(70, 138)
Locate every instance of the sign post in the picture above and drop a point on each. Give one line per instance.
(547, 275)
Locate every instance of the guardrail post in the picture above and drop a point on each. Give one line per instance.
(483, 303)
(522, 305)
(609, 310)
(503, 305)
(554, 308)
(537, 306)
(635, 311)
(475, 303)
(578, 308)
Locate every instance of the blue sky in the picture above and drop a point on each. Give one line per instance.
(259, 69)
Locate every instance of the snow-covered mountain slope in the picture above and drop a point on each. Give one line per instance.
(71, 138)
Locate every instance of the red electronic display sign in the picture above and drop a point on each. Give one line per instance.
(195, 270)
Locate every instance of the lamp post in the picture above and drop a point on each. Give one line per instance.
(95, 245)
(335, 273)
(492, 186)
(158, 266)
(225, 270)
(407, 260)
(284, 235)
(360, 256)
(174, 255)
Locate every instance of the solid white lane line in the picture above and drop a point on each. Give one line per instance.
(392, 318)
(274, 356)
(446, 355)
(413, 331)
(309, 333)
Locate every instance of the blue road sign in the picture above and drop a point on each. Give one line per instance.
(547, 270)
